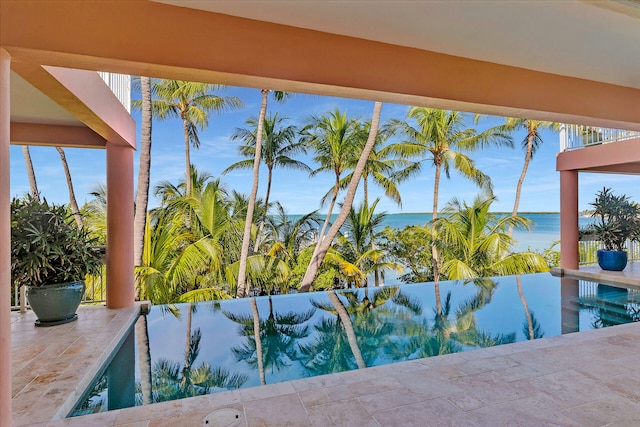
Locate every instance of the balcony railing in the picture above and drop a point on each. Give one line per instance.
(588, 248)
(573, 137)
(95, 292)
(120, 85)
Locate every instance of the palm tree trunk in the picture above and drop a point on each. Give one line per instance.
(336, 188)
(365, 188)
(187, 156)
(526, 308)
(186, 370)
(243, 289)
(72, 195)
(435, 259)
(266, 203)
(345, 319)
(142, 334)
(527, 158)
(33, 185)
(256, 335)
(142, 197)
(323, 246)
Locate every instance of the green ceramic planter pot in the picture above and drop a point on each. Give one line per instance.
(55, 304)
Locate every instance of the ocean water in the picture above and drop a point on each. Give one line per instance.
(544, 231)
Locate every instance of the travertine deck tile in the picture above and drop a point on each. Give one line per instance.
(347, 413)
(286, 410)
(587, 378)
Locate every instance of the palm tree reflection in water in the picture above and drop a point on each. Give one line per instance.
(271, 343)
(174, 381)
(449, 331)
(365, 326)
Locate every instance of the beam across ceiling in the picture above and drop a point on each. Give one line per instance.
(55, 135)
(85, 95)
(230, 50)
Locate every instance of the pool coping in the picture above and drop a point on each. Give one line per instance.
(65, 360)
(468, 385)
(596, 274)
(53, 367)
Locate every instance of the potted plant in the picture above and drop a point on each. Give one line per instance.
(618, 220)
(52, 257)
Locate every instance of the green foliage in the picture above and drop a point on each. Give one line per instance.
(474, 242)
(618, 219)
(325, 277)
(46, 245)
(410, 247)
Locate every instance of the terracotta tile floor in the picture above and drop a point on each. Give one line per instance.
(582, 379)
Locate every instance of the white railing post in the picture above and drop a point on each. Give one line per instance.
(564, 144)
(120, 85)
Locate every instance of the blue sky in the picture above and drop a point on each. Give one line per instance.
(295, 190)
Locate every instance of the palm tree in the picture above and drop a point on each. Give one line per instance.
(33, 185)
(187, 264)
(291, 236)
(334, 138)
(72, 195)
(387, 166)
(190, 102)
(155, 274)
(530, 145)
(144, 169)
(323, 245)
(441, 136)
(278, 145)
(356, 252)
(95, 214)
(476, 245)
(246, 237)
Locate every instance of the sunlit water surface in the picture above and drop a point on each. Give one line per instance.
(303, 335)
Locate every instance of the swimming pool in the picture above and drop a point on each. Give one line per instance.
(205, 348)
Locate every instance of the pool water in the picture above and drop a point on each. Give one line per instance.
(203, 348)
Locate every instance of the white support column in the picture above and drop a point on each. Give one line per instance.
(5, 242)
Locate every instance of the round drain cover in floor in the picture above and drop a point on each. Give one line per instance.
(226, 417)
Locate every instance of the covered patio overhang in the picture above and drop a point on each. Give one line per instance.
(618, 157)
(132, 38)
(58, 107)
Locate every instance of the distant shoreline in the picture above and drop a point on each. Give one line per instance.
(429, 213)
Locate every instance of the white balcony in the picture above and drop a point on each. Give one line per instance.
(573, 137)
(120, 85)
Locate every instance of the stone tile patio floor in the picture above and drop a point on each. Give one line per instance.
(582, 379)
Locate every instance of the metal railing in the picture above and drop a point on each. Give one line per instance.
(588, 249)
(573, 137)
(95, 292)
(120, 85)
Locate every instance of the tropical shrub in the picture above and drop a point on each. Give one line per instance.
(618, 220)
(47, 247)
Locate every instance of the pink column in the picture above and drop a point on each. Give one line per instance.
(5, 242)
(570, 308)
(569, 219)
(120, 278)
